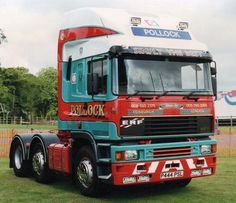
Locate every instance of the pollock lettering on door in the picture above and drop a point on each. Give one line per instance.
(90, 110)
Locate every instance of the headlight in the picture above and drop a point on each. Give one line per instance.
(206, 149)
(127, 155)
(131, 155)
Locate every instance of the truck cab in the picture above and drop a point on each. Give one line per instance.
(135, 101)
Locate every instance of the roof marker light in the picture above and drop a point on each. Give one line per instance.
(135, 21)
(183, 25)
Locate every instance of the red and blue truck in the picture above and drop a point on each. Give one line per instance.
(135, 104)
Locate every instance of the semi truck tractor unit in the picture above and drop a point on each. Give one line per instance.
(135, 104)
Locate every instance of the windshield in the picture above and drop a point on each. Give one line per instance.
(134, 76)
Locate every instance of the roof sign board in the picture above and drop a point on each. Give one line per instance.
(161, 33)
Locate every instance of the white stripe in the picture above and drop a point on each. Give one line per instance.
(191, 164)
(153, 167)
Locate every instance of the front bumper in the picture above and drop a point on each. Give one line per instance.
(163, 170)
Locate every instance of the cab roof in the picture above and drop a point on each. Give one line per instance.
(128, 28)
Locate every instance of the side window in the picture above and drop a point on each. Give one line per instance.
(188, 77)
(100, 67)
(192, 77)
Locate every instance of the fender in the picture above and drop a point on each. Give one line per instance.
(45, 139)
(82, 135)
(24, 140)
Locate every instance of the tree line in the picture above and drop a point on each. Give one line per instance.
(25, 95)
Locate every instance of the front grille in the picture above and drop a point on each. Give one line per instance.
(177, 125)
(171, 152)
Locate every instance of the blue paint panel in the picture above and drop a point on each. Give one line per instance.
(145, 151)
(76, 89)
(161, 33)
(99, 130)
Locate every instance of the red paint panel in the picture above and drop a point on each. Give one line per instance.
(59, 158)
(115, 110)
(80, 33)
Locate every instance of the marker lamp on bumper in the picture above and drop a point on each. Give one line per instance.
(127, 155)
(195, 173)
(206, 149)
(207, 171)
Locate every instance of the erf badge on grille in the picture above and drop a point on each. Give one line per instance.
(126, 123)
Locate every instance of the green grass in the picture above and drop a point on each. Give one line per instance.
(218, 188)
(37, 127)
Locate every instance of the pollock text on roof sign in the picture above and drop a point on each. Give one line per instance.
(161, 33)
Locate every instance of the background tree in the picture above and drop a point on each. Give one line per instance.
(15, 79)
(26, 95)
(47, 100)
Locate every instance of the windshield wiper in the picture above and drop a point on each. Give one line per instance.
(165, 92)
(192, 95)
(143, 91)
(152, 81)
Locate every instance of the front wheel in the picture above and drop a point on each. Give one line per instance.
(85, 173)
(40, 168)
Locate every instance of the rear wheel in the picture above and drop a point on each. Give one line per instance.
(179, 183)
(20, 166)
(40, 168)
(85, 173)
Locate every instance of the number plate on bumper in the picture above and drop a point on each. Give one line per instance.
(175, 174)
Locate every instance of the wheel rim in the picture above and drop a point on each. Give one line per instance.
(18, 157)
(85, 172)
(38, 162)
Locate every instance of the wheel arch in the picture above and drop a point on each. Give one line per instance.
(83, 139)
(24, 140)
(45, 139)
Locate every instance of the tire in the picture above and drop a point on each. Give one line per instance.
(178, 183)
(20, 167)
(85, 173)
(40, 168)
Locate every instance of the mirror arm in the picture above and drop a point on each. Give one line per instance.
(215, 64)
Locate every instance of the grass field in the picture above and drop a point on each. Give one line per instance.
(37, 127)
(218, 188)
(227, 130)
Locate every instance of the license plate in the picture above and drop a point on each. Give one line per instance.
(175, 174)
(130, 179)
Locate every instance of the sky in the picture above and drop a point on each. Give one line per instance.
(32, 28)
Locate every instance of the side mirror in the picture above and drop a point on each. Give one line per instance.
(214, 86)
(92, 83)
(213, 71)
(213, 68)
(213, 79)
